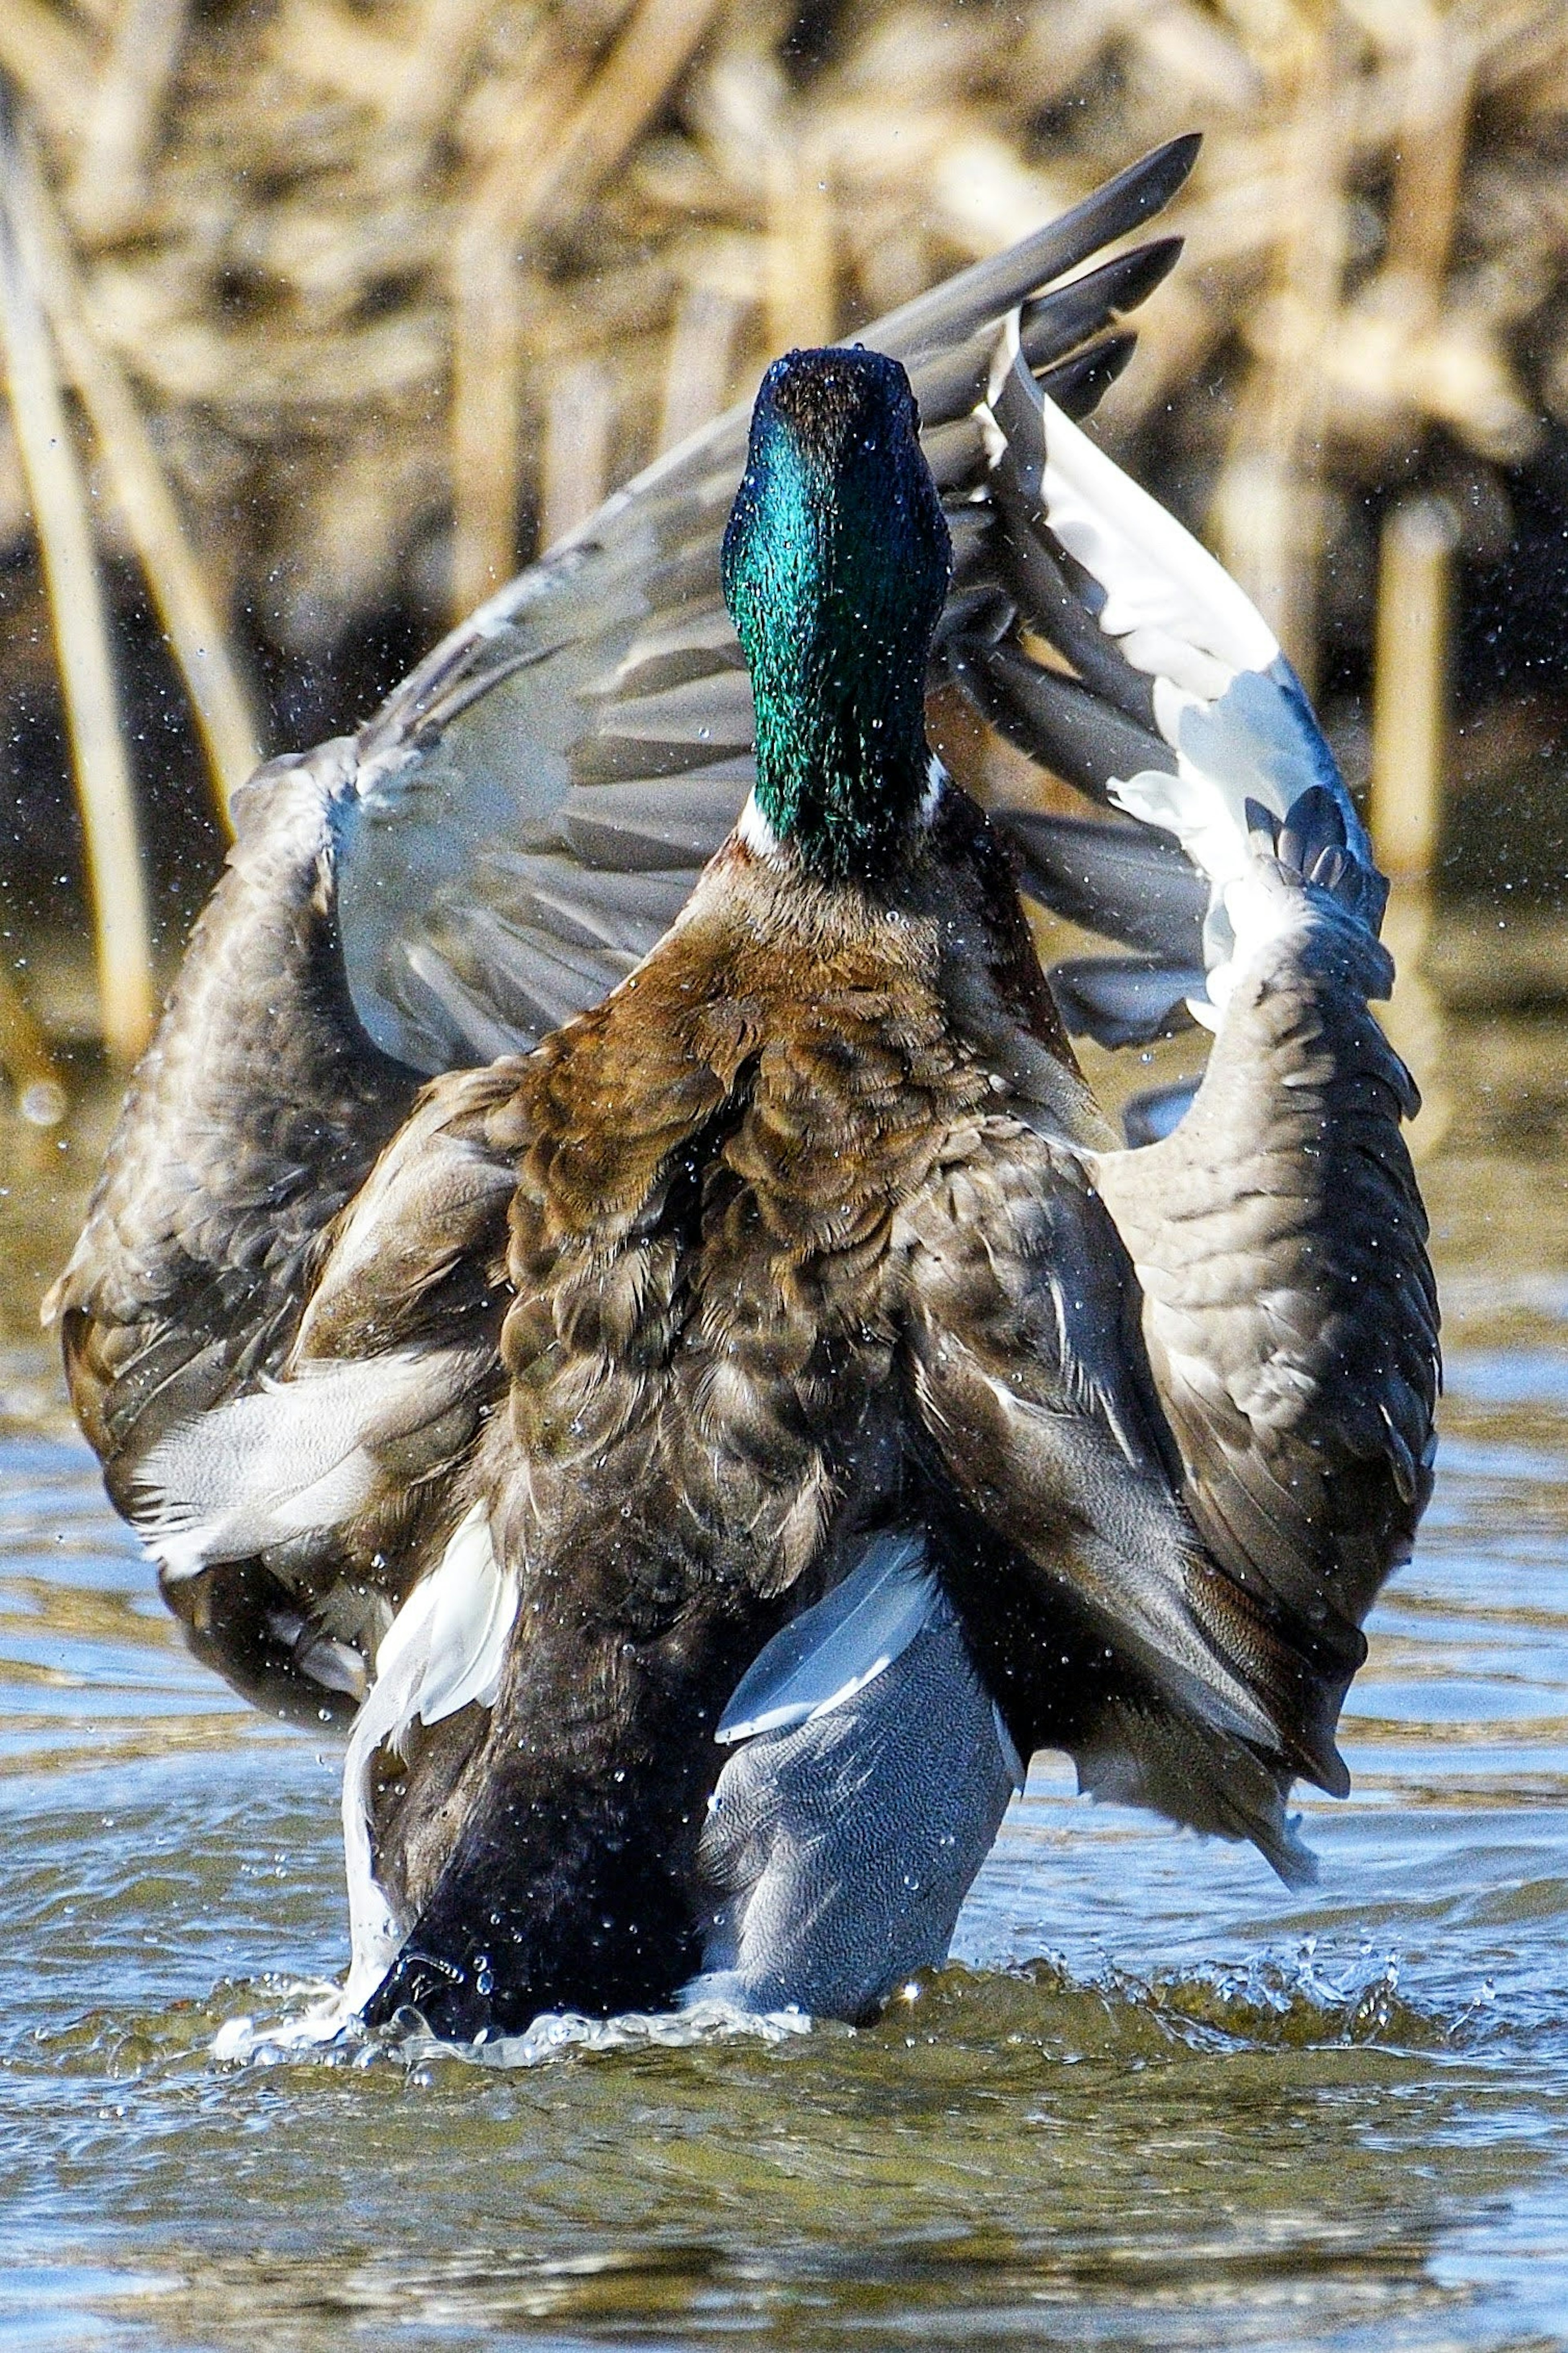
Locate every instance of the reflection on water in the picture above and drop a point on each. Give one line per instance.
(1160, 2101)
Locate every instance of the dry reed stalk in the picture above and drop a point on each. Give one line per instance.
(1266, 508)
(698, 363)
(622, 99)
(802, 294)
(434, 65)
(574, 476)
(126, 113)
(26, 1061)
(488, 340)
(1416, 1018)
(1423, 211)
(49, 62)
(60, 514)
(539, 188)
(1410, 711)
(174, 579)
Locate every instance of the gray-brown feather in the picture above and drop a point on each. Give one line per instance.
(252, 1120)
(1289, 1307)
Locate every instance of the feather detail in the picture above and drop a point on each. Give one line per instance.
(288, 1458)
(1123, 1000)
(829, 1653)
(1226, 701)
(843, 1837)
(443, 1651)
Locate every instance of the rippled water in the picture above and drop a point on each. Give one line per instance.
(1161, 2100)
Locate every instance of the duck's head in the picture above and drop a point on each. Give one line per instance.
(836, 566)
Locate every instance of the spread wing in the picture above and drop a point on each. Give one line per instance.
(1274, 1236)
(290, 1516)
(1095, 1612)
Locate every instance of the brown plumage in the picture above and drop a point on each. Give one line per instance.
(710, 1394)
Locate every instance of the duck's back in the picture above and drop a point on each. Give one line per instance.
(703, 1224)
(705, 1419)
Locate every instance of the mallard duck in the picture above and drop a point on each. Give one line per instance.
(611, 1280)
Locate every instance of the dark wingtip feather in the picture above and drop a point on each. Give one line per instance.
(1077, 385)
(1179, 156)
(992, 286)
(1123, 1000)
(1062, 724)
(1049, 324)
(1150, 1117)
(1314, 823)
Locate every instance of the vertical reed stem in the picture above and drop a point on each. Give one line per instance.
(542, 182)
(1411, 687)
(194, 626)
(801, 291)
(697, 369)
(58, 496)
(1268, 504)
(121, 130)
(25, 1060)
(576, 450)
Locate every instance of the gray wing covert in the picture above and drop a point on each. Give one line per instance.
(291, 1516)
(871, 1779)
(1288, 1307)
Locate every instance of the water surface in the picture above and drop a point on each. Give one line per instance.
(1158, 2101)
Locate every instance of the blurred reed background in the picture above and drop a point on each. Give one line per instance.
(318, 317)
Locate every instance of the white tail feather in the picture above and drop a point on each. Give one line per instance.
(446, 1647)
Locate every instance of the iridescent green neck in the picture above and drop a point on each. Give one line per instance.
(841, 744)
(836, 566)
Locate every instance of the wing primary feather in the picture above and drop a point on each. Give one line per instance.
(713, 709)
(1077, 385)
(1124, 1001)
(535, 982)
(1057, 321)
(1053, 601)
(1144, 561)
(955, 452)
(389, 730)
(438, 713)
(997, 285)
(1062, 724)
(950, 383)
(469, 1031)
